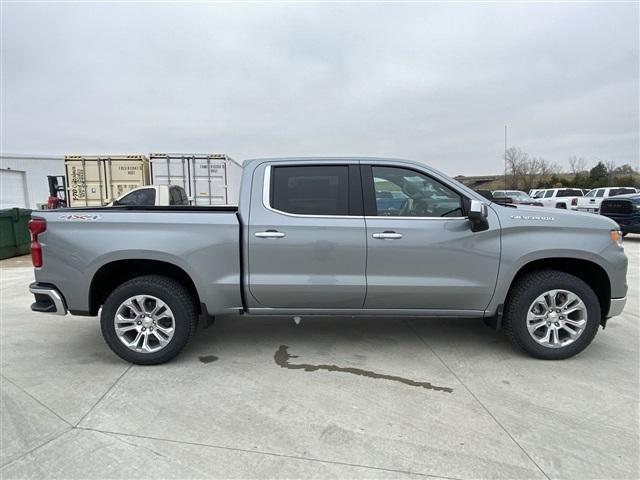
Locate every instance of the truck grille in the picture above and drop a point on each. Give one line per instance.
(616, 207)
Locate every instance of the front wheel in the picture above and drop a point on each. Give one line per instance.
(551, 315)
(149, 319)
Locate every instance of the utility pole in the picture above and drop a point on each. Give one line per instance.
(505, 157)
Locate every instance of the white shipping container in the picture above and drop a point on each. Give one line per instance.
(98, 180)
(208, 179)
(23, 179)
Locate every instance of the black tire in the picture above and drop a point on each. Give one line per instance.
(561, 205)
(173, 294)
(530, 287)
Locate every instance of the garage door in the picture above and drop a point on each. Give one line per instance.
(13, 192)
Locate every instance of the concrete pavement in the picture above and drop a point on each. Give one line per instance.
(408, 398)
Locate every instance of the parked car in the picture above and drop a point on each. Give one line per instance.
(624, 210)
(559, 197)
(313, 237)
(592, 200)
(153, 195)
(516, 197)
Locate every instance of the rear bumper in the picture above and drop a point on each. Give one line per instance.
(48, 299)
(616, 307)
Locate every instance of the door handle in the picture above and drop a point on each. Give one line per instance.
(387, 235)
(270, 234)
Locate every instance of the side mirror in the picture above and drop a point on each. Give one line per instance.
(478, 214)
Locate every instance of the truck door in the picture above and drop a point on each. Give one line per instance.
(307, 237)
(422, 253)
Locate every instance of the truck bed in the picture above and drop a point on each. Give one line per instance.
(203, 241)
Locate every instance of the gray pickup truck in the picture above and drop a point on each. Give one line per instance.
(332, 236)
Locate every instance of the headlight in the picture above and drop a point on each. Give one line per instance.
(616, 237)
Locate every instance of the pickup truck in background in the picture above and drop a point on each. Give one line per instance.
(331, 236)
(592, 200)
(151, 195)
(566, 198)
(624, 210)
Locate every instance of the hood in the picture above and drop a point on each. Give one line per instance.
(551, 217)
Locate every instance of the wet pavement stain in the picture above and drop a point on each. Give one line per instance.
(207, 358)
(282, 357)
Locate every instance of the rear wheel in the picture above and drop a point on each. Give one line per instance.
(148, 320)
(551, 315)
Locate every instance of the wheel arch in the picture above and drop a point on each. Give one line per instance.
(590, 272)
(114, 273)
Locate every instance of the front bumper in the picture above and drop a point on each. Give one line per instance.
(48, 299)
(616, 307)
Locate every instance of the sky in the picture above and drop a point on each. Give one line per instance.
(434, 82)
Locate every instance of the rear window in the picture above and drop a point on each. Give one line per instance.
(311, 190)
(144, 197)
(569, 192)
(621, 191)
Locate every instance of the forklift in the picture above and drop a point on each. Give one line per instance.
(57, 192)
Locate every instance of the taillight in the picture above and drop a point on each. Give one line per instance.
(36, 226)
(574, 201)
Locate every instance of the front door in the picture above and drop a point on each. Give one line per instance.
(422, 253)
(307, 243)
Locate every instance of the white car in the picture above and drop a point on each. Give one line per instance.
(566, 198)
(151, 195)
(592, 200)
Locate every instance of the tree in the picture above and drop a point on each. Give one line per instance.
(599, 175)
(625, 169)
(577, 164)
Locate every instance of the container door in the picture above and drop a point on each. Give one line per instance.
(209, 181)
(170, 170)
(86, 185)
(124, 175)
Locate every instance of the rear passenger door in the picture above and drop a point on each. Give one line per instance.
(307, 244)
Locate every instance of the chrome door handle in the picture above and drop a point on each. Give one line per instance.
(387, 235)
(270, 234)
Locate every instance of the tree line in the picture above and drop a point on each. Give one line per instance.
(525, 172)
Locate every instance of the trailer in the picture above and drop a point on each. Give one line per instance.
(208, 179)
(94, 180)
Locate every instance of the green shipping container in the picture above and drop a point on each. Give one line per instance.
(14, 236)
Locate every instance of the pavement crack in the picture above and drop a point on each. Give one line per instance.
(484, 407)
(104, 395)
(271, 454)
(37, 447)
(36, 400)
(282, 356)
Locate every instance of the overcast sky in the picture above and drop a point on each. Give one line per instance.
(432, 82)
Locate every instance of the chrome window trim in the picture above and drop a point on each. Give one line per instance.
(266, 192)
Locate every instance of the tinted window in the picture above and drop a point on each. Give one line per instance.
(548, 194)
(172, 196)
(311, 190)
(621, 191)
(592, 193)
(600, 193)
(401, 192)
(183, 196)
(569, 192)
(145, 197)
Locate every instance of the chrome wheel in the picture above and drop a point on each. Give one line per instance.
(556, 318)
(144, 323)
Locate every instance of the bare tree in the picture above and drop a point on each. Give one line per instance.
(611, 167)
(577, 164)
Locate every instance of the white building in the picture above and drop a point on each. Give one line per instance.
(23, 179)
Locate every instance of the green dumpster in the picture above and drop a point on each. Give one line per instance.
(14, 236)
